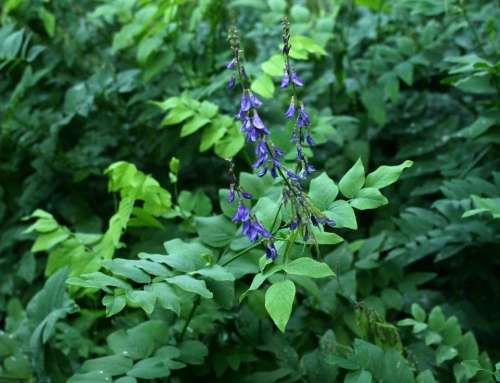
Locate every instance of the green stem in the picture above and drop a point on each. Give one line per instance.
(190, 317)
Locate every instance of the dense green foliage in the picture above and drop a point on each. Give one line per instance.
(118, 257)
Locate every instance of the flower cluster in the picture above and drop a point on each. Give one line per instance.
(269, 156)
(302, 131)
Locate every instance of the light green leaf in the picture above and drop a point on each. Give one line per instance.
(177, 115)
(445, 353)
(216, 231)
(405, 72)
(279, 301)
(110, 365)
(216, 272)
(48, 20)
(368, 198)
(386, 175)
(353, 180)
(343, 215)
(263, 86)
(323, 191)
(362, 376)
(309, 268)
(193, 125)
(193, 285)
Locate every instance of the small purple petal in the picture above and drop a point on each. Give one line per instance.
(246, 195)
(245, 103)
(232, 82)
(230, 64)
(271, 252)
(290, 113)
(255, 101)
(242, 214)
(230, 197)
(262, 172)
(296, 80)
(258, 124)
(310, 140)
(286, 80)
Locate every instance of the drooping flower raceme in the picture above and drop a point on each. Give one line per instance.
(268, 156)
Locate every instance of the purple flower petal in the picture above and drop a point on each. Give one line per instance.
(255, 101)
(285, 81)
(242, 214)
(290, 113)
(258, 124)
(246, 195)
(230, 64)
(296, 80)
(232, 82)
(271, 252)
(310, 140)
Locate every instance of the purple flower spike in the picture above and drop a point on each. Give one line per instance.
(230, 64)
(242, 214)
(258, 124)
(290, 113)
(262, 172)
(255, 101)
(296, 79)
(271, 252)
(286, 80)
(232, 82)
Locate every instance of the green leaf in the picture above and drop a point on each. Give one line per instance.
(386, 175)
(445, 353)
(193, 125)
(114, 304)
(274, 66)
(177, 115)
(353, 180)
(426, 377)
(143, 299)
(418, 312)
(309, 268)
(279, 301)
(362, 376)
(323, 191)
(216, 231)
(47, 241)
(343, 215)
(368, 198)
(263, 86)
(472, 367)
(216, 272)
(110, 365)
(373, 100)
(165, 296)
(405, 72)
(48, 20)
(193, 285)
(231, 144)
(192, 352)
